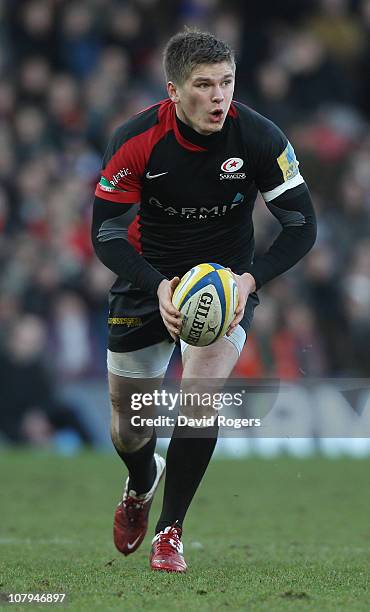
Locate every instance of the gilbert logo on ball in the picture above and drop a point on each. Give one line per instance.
(207, 297)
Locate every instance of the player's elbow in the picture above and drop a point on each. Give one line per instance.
(94, 239)
(311, 224)
(97, 244)
(312, 232)
(309, 234)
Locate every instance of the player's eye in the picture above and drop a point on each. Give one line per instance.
(227, 82)
(203, 85)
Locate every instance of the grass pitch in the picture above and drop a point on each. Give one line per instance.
(286, 534)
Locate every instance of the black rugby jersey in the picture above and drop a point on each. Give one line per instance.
(197, 192)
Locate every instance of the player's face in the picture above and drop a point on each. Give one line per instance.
(203, 100)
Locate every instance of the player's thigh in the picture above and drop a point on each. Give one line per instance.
(136, 372)
(139, 345)
(206, 369)
(217, 360)
(214, 361)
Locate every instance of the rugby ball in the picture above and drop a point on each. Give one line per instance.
(207, 297)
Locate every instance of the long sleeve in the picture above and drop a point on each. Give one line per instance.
(295, 213)
(110, 240)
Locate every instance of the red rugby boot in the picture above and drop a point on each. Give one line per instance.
(131, 516)
(167, 551)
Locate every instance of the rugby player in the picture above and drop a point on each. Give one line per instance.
(194, 164)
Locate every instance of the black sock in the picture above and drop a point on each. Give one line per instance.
(188, 455)
(141, 466)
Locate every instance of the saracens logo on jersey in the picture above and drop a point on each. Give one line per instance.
(230, 169)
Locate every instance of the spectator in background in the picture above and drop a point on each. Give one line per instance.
(356, 286)
(33, 26)
(322, 281)
(34, 76)
(273, 91)
(79, 39)
(363, 83)
(339, 29)
(30, 412)
(257, 359)
(71, 341)
(314, 77)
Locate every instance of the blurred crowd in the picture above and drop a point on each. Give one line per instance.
(71, 71)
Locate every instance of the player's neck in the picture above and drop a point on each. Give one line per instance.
(203, 140)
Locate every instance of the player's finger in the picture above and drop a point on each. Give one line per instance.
(174, 334)
(174, 320)
(173, 330)
(169, 308)
(231, 328)
(238, 318)
(240, 308)
(174, 282)
(174, 324)
(173, 317)
(235, 322)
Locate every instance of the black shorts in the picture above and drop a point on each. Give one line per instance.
(134, 320)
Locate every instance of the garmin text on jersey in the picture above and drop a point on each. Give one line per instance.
(202, 212)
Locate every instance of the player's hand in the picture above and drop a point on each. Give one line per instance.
(246, 285)
(170, 315)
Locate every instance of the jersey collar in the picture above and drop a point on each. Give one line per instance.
(190, 139)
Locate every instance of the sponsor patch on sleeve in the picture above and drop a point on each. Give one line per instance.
(105, 185)
(288, 163)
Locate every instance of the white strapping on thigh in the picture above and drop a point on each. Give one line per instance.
(237, 339)
(149, 362)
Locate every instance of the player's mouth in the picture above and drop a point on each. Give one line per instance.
(217, 115)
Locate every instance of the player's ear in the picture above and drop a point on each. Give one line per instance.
(172, 92)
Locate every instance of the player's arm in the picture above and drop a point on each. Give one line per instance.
(118, 189)
(110, 240)
(296, 215)
(288, 199)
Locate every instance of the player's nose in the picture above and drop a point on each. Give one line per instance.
(217, 95)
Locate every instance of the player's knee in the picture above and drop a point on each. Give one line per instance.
(116, 402)
(126, 436)
(127, 441)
